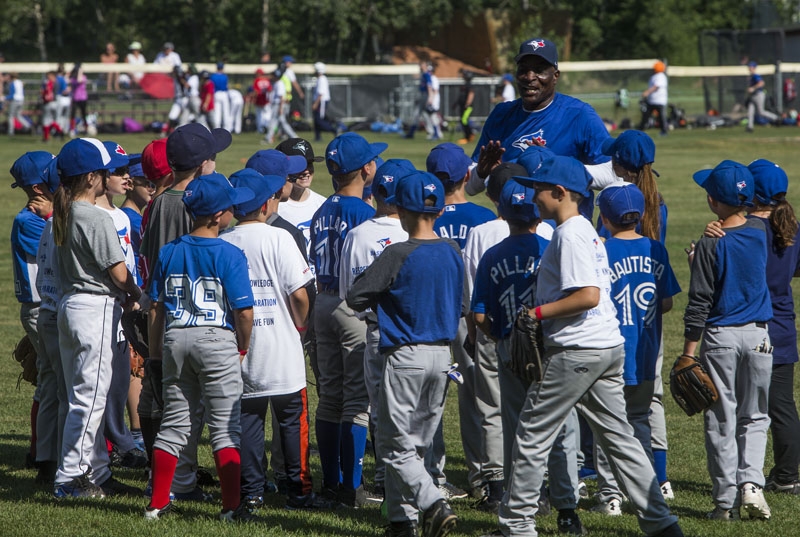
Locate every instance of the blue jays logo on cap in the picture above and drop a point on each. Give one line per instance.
(388, 179)
(741, 185)
(332, 152)
(519, 196)
(430, 187)
(536, 44)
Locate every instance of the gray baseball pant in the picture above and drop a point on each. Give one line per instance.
(591, 378)
(53, 403)
(562, 462)
(200, 364)
(488, 402)
(116, 430)
(468, 414)
(411, 404)
(28, 315)
(373, 373)
(736, 425)
(658, 422)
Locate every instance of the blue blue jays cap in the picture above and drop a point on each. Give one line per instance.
(508, 77)
(632, 149)
(389, 174)
(349, 152)
(622, 204)
(532, 158)
(84, 155)
(209, 194)
(136, 169)
(414, 189)
(190, 145)
(563, 171)
(114, 147)
(448, 159)
(274, 162)
(263, 187)
(29, 169)
(771, 182)
(516, 203)
(287, 59)
(539, 47)
(729, 182)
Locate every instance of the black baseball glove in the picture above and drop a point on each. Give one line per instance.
(527, 347)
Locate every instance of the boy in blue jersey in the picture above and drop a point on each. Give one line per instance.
(343, 412)
(451, 166)
(642, 287)
(505, 280)
(729, 306)
(26, 231)
(415, 334)
(202, 313)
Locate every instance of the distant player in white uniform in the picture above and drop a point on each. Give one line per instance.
(94, 279)
(361, 247)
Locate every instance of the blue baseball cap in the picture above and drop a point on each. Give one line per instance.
(563, 171)
(29, 169)
(84, 155)
(621, 203)
(771, 182)
(729, 182)
(389, 174)
(350, 151)
(448, 159)
(288, 58)
(262, 186)
(190, 145)
(539, 47)
(532, 158)
(136, 170)
(516, 202)
(508, 77)
(632, 149)
(114, 147)
(413, 189)
(209, 194)
(274, 162)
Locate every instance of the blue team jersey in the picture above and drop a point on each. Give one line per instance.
(641, 277)
(200, 281)
(424, 82)
(506, 280)
(220, 81)
(331, 224)
(606, 234)
(25, 234)
(136, 228)
(755, 79)
(458, 219)
(568, 127)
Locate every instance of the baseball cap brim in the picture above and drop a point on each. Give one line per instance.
(701, 177)
(525, 181)
(377, 148)
(518, 57)
(297, 164)
(606, 146)
(222, 140)
(241, 195)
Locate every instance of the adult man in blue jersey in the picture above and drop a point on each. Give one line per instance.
(541, 116)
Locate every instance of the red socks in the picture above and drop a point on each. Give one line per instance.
(163, 470)
(229, 470)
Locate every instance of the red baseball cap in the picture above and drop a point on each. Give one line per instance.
(154, 160)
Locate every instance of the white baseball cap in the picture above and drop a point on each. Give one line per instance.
(319, 67)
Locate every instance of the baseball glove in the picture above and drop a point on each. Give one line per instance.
(25, 354)
(690, 385)
(527, 347)
(134, 325)
(137, 363)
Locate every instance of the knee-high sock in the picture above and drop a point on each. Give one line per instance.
(354, 442)
(164, 465)
(660, 464)
(229, 470)
(328, 441)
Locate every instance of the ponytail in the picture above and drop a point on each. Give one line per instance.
(62, 201)
(651, 220)
(784, 224)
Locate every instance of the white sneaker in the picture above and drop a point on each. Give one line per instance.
(753, 501)
(451, 492)
(666, 490)
(612, 507)
(583, 492)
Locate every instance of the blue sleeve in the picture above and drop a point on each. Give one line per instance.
(11, 91)
(236, 280)
(480, 292)
(594, 134)
(29, 234)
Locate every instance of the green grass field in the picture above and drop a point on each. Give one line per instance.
(29, 510)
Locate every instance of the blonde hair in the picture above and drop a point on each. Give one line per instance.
(651, 219)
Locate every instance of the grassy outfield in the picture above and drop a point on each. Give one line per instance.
(29, 510)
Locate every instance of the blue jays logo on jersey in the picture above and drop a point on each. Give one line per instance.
(335, 199)
(430, 188)
(384, 242)
(536, 44)
(522, 144)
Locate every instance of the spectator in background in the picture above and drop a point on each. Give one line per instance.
(259, 96)
(206, 100)
(466, 96)
(168, 56)
(236, 100)
(63, 97)
(77, 82)
(50, 107)
(655, 98)
(135, 57)
(322, 96)
(508, 94)
(280, 109)
(756, 97)
(222, 101)
(290, 80)
(15, 101)
(193, 93)
(111, 56)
